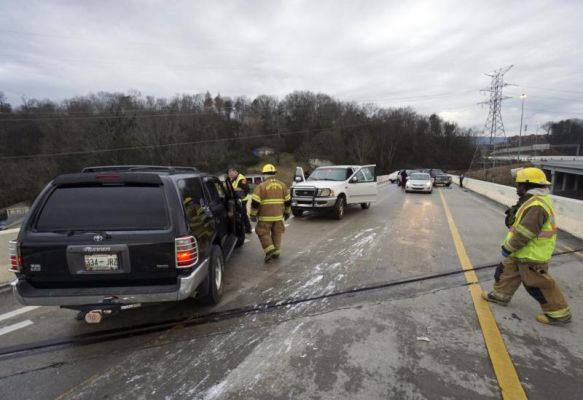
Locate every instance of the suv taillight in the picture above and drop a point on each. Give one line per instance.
(186, 252)
(15, 257)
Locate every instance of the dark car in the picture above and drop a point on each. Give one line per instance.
(111, 238)
(440, 177)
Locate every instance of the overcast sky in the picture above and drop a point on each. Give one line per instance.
(431, 55)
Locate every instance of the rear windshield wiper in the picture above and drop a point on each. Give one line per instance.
(76, 231)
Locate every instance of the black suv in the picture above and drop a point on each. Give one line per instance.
(115, 237)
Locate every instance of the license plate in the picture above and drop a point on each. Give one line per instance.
(101, 262)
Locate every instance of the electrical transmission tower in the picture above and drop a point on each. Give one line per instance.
(494, 124)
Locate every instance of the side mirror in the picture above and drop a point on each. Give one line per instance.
(298, 179)
(354, 179)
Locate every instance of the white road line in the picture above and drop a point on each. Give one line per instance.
(16, 312)
(12, 328)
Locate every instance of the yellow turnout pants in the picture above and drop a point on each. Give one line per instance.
(270, 235)
(536, 280)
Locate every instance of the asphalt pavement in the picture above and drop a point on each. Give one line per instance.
(370, 307)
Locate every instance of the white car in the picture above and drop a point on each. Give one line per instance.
(419, 182)
(393, 177)
(333, 188)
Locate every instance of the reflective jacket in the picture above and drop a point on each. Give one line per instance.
(270, 200)
(241, 187)
(533, 233)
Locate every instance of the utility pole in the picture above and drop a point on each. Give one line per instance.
(494, 125)
(523, 97)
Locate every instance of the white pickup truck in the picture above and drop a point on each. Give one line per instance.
(333, 188)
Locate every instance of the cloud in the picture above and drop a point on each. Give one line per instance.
(429, 55)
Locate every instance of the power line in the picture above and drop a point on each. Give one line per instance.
(63, 114)
(552, 90)
(187, 143)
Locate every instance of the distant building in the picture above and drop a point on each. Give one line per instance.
(13, 215)
(17, 210)
(263, 151)
(319, 162)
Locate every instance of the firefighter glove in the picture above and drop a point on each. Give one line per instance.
(253, 218)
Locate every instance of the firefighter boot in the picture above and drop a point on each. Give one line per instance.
(494, 297)
(270, 255)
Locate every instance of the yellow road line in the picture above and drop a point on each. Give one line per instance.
(508, 380)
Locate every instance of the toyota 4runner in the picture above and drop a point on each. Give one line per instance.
(112, 238)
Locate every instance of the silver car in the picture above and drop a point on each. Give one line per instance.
(419, 182)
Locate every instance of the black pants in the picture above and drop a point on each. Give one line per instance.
(245, 217)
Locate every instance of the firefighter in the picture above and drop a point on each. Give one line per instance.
(270, 207)
(528, 247)
(241, 188)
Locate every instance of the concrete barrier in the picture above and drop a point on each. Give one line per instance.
(5, 236)
(382, 179)
(569, 211)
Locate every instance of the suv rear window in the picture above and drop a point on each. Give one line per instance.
(104, 208)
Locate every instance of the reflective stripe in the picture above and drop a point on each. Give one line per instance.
(256, 198)
(269, 248)
(287, 197)
(271, 218)
(559, 313)
(508, 246)
(272, 201)
(501, 296)
(525, 232)
(547, 234)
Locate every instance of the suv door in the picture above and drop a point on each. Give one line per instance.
(199, 223)
(217, 205)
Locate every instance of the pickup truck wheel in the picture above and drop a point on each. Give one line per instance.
(297, 213)
(339, 208)
(214, 281)
(365, 206)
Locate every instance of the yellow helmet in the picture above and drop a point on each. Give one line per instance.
(269, 169)
(531, 175)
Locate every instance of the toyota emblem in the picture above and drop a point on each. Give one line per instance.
(98, 238)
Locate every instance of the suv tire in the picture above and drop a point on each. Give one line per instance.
(365, 206)
(339, 208)
(213, 285)
(297, 213)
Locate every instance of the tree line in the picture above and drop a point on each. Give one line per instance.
(42, 138)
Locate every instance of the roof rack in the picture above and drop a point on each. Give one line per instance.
(139, 168)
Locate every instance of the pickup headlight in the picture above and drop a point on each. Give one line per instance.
(325, 193)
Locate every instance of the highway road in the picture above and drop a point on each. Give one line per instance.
(374, 306)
